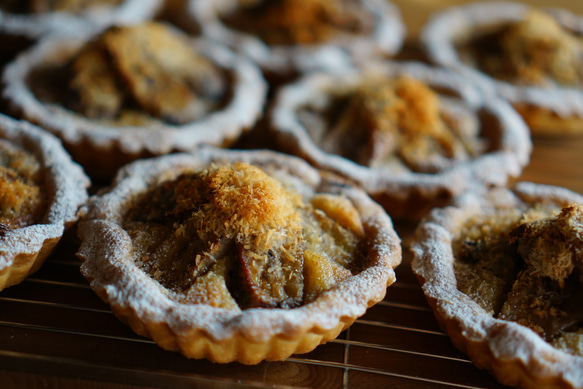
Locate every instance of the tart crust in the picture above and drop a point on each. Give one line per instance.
(513, 353)
(337, 52)
(36, 26)
(552, 110)
(24, 248)
(223, 335)
(102, 148)
(405, 193)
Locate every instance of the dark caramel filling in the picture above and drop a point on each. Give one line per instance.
(394, 119)
(21, 202)
(535, 51)
(134, 76)
(234, 237)
(527, 268)
(287, 22)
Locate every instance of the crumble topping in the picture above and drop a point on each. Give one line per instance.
(553, 247)
(139, 74)
(527, 267)
(21, 203)
(234, 237)
(399, 118)
(535, 51)
(43, 6)
(286, 22)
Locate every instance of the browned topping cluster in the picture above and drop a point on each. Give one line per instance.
(42, 6)
(135, 74)
(393, 118)
(256, 243)
(528, 269)
(21, 202)
(535, 51)
(285, 22)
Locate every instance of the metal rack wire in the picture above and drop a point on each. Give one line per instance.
(54, 324)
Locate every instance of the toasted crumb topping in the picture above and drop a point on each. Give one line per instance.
(235, 237)
(43, 6)
(536, 51)
(394, 118)
(21, 202)
(148, 68)
(553, 247)
(286, 22)
(527, 267)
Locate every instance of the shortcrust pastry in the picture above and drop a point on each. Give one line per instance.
(34, 19)
(533, 58)
(236, 255)
(135, 91)
(413, 136)
(40, 192)
(503, 271)
(291, 37)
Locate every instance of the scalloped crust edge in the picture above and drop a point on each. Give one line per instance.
(514, 354)
(217, 334)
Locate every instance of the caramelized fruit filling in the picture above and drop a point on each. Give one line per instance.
(535, 51)
(286, 22)
(140, 73)
(399, 118)
(21, 203)
(42, 6)
(528, 268)
(237, 238)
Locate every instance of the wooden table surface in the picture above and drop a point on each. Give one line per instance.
(55, 333)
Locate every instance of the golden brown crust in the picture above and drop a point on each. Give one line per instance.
(492, 222)
(29, 236)
(102, 145)
(413, 141)
(21, 185)
(229, 330)
(533, 58)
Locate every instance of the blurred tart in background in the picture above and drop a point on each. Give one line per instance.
(413, 136)
(532, 57)
(23, 22)
(291, 37)
(134, 91)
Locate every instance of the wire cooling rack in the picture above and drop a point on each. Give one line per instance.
(54, 324)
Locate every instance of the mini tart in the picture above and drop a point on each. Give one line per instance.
(412, 136)
(34, 19)
(109, 114)
(516, 254)
(292, 37)
(245, 275)
(530, 57)
(40, 192)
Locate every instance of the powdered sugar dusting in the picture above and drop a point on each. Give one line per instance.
(445, 29)
(509, 154)
(107, 263)
(66, 186)
(217, 128)
(514, 353)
